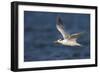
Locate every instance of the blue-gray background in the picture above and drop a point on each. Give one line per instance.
(40, 33)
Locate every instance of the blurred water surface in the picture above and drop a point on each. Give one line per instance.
(40, 33)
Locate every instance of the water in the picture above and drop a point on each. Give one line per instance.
(40, 33)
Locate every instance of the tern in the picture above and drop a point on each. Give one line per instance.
(68, 39)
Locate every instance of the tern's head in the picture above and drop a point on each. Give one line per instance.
(58, 41)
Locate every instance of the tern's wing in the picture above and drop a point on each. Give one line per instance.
(76, 35)
(60, 28)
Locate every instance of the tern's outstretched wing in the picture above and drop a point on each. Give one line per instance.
(60, 28)
(76, 35)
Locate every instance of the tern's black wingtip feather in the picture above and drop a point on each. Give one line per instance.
(59, 21)
(58, 18)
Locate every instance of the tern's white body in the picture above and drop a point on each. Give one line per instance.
(68, 40)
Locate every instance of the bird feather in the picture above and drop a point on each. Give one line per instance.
(61, 29)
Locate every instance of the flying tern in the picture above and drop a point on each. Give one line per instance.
(68, 39)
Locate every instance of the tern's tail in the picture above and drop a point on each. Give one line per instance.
(78, 44)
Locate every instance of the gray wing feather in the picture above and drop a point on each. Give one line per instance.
(76, 35)
(60, 28)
